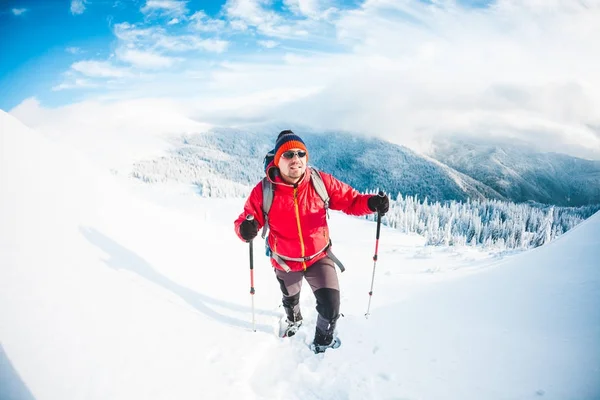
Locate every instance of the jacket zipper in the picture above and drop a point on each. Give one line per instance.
(299, 227)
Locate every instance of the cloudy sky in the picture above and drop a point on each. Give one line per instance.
(405, 70)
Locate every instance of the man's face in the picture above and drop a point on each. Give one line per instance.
(293, 168)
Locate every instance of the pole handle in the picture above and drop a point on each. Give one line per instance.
(250, 217)
(381, 195)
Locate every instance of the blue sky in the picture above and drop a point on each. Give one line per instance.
(43, 40)
(402, 69)
(37, 36)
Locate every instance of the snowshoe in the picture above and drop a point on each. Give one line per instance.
(320, 348)
(288, 328)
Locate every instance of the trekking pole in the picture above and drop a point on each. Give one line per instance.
(380, 194)
(250, 218)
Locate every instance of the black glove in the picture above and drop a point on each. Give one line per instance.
(248, 229)
(381, 204)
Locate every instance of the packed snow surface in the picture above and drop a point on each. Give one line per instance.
(112, 290)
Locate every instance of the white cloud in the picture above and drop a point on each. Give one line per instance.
(130, 33)
(445, 69)
(517, 69)
(213, 45)
(77, 7)
(199, 21)
(174, 21)
(19, 11)
(252, 13)
(172, 8)
(78, 83)
(256, 15)
(314, 9)
(238, 25)
(100, 69)
(305, 7)
(145, 59)
(158, 38)
(405, 70)
(269, 44)
(73, 50)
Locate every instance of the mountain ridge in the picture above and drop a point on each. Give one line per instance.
(369, 164)
(522, 173)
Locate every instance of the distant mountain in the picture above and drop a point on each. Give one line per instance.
(235, 156)
(369, 163)
(227, 162)
(221, 163)
(520, 173)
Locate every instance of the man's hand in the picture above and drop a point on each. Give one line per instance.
(248, 229)
(381, 204)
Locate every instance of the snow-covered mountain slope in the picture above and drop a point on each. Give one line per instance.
(369, 163)
(521, 173)
(228, 161)
(532, 323)
(222, 155)
(104, 295)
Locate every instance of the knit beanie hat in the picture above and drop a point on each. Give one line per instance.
(285, 141)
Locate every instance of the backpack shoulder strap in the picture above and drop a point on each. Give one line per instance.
(317, 181)
(267, 202)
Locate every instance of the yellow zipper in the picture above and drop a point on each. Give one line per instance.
(299, 227)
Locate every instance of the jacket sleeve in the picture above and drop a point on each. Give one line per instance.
(253, 207)
(345, 198)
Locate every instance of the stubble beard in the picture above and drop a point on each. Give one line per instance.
(294, 174)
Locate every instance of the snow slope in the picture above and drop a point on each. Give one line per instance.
(109, 291)
(528, 327)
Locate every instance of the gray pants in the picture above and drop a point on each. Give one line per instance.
(323, 280)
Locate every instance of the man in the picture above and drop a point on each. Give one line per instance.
(299, 236)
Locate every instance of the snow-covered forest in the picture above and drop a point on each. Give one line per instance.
(488, 223)
(227, 162)
(210, 171)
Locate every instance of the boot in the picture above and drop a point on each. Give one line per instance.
(290, 328)
(324, 335)
(322, 338)
(324, 341)
(293, 321)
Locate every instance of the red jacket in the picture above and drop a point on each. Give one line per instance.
(298, 220)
